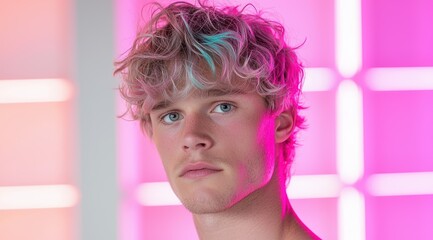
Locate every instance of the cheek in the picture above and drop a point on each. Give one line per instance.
(254, 146)
(165, 137)
(266, 142)
(165, 145)
(266, 138)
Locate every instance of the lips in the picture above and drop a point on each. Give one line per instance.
(198, 170)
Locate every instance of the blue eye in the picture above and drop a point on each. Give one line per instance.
(223, 108)
(171, 117)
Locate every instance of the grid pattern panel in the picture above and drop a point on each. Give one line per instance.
(396, 132)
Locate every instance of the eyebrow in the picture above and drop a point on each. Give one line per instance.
(161, 105)
(208, 93)
(223, 92)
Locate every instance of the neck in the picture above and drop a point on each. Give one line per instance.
(264, 214)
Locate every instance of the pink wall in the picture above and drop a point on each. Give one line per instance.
(37, 138)
(398, 124)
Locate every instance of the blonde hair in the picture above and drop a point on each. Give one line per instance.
(182, 43)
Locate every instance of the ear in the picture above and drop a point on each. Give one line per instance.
(283, 126)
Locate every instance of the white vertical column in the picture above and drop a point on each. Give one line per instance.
(350, 157)
(350, 160)
(350, 149)
(348, 37)
(351, 215)
(96, 110)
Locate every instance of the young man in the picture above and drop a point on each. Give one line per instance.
(217, 90)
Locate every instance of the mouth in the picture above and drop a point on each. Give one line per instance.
(199, 170)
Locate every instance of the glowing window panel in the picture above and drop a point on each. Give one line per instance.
(400, 79)
(350, 150)
(156, 194)
(399, 184)
(35, 197)
(351, 214)
(314, 186)
(318, 79)
(35, 90)
(348, 37)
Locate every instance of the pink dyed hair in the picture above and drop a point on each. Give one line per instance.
(184, 46)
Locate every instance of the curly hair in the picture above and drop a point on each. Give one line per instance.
(184, 47)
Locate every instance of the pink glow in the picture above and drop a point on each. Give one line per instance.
(128, 133)
(317, 151)
(398, 134)
(319, 214)
(36, 144)
(308, 21)
(37, 153)
(397, 34)
(47, 224)
(167, 222)
(395, 136)
(385, 221)
(398, 131)
(37, 39)
(129, 212)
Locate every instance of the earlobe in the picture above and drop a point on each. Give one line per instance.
(283, 126)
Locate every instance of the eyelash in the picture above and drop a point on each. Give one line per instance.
(232, 108)
(168, 114)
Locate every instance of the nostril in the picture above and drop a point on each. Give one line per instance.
(196, 141)
(195, 146)
(201, 145)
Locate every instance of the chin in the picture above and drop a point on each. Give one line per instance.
(206, 203)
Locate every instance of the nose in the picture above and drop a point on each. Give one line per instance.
(196, 134)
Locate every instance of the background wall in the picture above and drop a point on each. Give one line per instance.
(70, 170)
(38, 196)
(57, 120)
